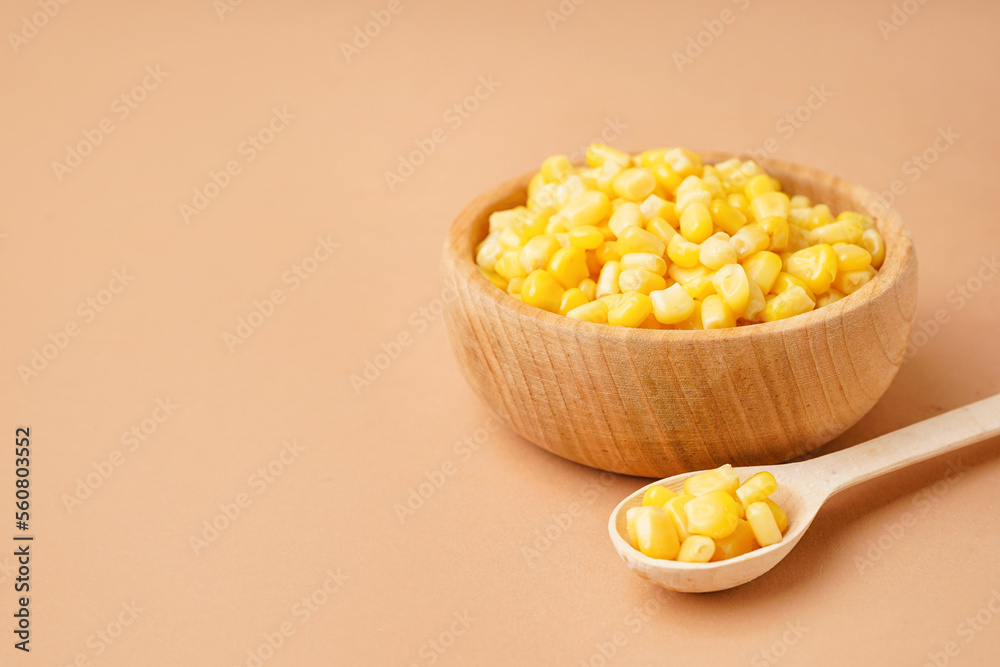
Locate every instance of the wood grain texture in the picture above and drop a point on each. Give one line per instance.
(803, 488)
(654, 403)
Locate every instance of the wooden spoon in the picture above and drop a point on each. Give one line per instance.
(803, 487)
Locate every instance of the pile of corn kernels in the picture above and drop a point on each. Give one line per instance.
(714, 519)
(660, 240)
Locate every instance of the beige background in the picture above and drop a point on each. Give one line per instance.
(466, 551)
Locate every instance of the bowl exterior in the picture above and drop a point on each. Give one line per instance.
(656, 403)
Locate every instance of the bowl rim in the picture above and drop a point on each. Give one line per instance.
(459, 254)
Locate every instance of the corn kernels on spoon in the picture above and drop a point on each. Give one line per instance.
(803, 487)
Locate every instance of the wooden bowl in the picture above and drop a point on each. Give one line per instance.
(655, 403)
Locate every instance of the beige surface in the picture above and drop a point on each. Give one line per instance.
(332, 508)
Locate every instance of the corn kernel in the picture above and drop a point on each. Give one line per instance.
(571, 299)
(775, 227)
(489, 252)
(587, 208)
(634, 184)
(568, 266)
(672, 305)
(593, 311)
(607, 252)
(683, 253)
(586, 237)
(779, 515)
(607, 281)
(694, 322)
(831, 296)
(819, 216)
(675, 510)
(700, 288)
(598, 154)
(851, 257)
(631, 310)
(763, 268)
(627, 215)
(635, 239)
(696, 223)
(639, 280)
(841, 231)
(849, 282)
(872, 241)
(713, 514)
(657, 495)
(509, 266)
(737, 543)
(800, 201)
(755, 304)
(655, 206)
(739, 201)
(537, 251)
(696, 549)
(661, 230)
(493, 277)
(792, 301)
(749, 240)
(611, 300)
(514, 286)
(816, 266)
(758, 185)
(644, 260)
(717, 251)
(652, 157)
(684, 162)
(761, 520)
(666, 177)
(726, 217)
(655, 535)
(786, 280)
(589, 287)
(557, 169)
(724, 478)
(542, 290)
(630, 516)
(770, 204)
(703, 197)
(757, 488)
(732, 285)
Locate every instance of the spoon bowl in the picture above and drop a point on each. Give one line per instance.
(803, 487)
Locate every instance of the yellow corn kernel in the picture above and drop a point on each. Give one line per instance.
(589, 287)
(726, 217)
(489, 252)
(703, 197)
(586, 237)
(631, 310)
(866, 222)
(792, 301)
(684, 253)
(696, 223)
(748, 240)
(675, 510)
(627, 215)
(639, 280)
(593, 311)
(610, 300)
(694, 322)
(657, 495)
(655, 534)
(593, 264)
(732, 285)
(757, 488)
(650, 323)
(514, 286)
(816, 266)
(634, 184)
(588, 208)
(607, 252)
(758, 185)
(571, 299)
(509, 264)
(542, 290)
(557, 169)
(739, 201)
(644, 260)
(841, 231)
(568, 266)
(537, 251)
(779, 515)
(598, 154)
(607, 281)
(849, 282)
(511, 218)
(630, 524)
(696, 549)
(636, 239)
(717, 251)
(799, 217)
(536, 182)
(755, 304)
(672, 305)
(659, 228)
(851, 257)
(710, 179)
(683, 274)
(872, 241)
(799, 238)
(713, 514)
(724, 478)
(655, 206)
(763, 268)
(800, 201)
(493, 277)
(555, 226)
(652, 157)
(666, 177)
(819, 216)
(737, 543)
(770, 204)
(786, 280)
(777, 228)
(761, 520)
(700, 288)
(831, 296)
(684, 162)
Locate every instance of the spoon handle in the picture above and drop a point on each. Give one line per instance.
(960, 427)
